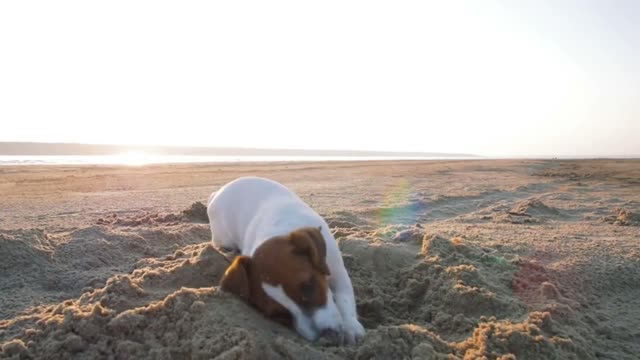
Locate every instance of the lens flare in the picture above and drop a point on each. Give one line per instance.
(399, 206)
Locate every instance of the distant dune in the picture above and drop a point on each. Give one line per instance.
(33, 148)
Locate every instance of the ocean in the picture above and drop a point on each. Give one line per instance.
(138, 159)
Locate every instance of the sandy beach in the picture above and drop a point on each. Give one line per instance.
(495, 259)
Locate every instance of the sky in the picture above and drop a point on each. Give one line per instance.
(494, 78)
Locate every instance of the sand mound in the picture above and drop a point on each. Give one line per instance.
(440, 283)
(185, 324)
(534, 338)
(447, 289)
(534, 207)
(623, 217)
(40, 267)
(197, 212)
(528, 211)
(148, 314)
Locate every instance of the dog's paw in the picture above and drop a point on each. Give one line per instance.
(331, 338)
(353, 331)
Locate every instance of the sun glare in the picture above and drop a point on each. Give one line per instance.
(134, 158)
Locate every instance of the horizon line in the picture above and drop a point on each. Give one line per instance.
(157, 147)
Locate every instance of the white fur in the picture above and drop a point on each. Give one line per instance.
(327, 316)
(302, 323)
(250, 210)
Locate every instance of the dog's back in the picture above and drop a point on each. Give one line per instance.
(241, 209)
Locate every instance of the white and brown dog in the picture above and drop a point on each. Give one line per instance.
(290, 266)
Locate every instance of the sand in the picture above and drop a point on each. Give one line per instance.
(449, 260)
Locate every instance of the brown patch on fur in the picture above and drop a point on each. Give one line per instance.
(309, 242)
(296, 261)
(236, 278)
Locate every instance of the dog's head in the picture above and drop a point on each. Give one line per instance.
(287, 279)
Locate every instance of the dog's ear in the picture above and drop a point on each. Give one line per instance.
(309, 242)
(236, 278)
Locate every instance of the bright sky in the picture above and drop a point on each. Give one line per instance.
(497, 78)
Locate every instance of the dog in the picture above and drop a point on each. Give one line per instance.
(290, 267)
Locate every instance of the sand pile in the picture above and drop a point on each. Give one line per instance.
(44, 266)
(527, 211)
(533, 207)
(81, 258)
(167, 309)
(196, 213)
(623, 217)
(452, 291)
